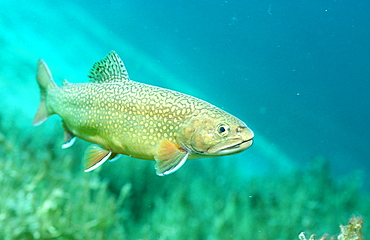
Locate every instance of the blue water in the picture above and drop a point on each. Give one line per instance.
(296, 72)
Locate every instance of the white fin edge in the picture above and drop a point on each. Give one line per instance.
(115, 158)
(103, 160)
(172, 170)
(69, 143)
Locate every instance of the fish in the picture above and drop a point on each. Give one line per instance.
(124, 117)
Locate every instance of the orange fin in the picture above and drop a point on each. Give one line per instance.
(95, 156)
(169, 158)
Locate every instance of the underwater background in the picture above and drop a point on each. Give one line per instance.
(296, 72)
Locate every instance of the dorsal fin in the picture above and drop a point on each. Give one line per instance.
(109, 69)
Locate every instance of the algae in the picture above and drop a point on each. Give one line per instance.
(43, 198)
(208, 203)
(353, 231)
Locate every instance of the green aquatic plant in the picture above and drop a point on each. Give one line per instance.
(210, 201)
(353, 231)
(43, 198)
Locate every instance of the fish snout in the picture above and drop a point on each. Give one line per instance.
(245, 138)
(242, 141)
(245, 133)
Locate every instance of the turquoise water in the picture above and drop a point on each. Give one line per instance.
(297, 73)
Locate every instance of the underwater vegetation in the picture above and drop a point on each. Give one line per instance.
(353, 231)
(42, 198)
(46, 195)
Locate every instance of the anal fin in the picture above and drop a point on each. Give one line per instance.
(169, 158)
(95, 156)
(69, 137)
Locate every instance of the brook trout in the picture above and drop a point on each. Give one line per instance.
(122, 116)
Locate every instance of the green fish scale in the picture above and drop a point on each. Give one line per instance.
(130, 115)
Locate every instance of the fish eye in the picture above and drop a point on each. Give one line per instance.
(223, 129)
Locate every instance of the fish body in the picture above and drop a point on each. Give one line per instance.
(122, 116)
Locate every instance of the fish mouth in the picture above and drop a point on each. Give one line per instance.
(230, 147)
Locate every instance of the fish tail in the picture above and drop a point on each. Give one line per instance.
(46, 82)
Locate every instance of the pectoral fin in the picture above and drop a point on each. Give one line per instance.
(169, 158)
(95, 156)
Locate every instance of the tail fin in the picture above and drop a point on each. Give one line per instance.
(46, 82)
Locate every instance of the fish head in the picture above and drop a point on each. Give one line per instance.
(216, 134)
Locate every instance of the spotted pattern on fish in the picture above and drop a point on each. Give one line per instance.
(132, 118)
